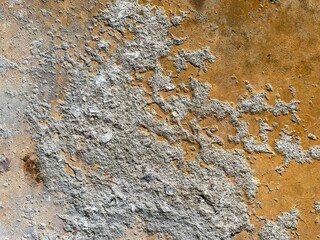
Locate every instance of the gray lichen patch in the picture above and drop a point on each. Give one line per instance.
(252, 146)
(234, 164)
(250, 142)
(314, 152)
(280, 230)
(289, 220)
(196, 59)
(161, 83)
(96, 159)
(292, 90)
(290, 147)
(272, 230)
(264, 129)
(255, 104)
(282, 108)
(102, 118)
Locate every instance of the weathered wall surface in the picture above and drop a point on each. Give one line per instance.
(159, 119)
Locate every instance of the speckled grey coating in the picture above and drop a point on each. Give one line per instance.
(102, 118)
(103, 163)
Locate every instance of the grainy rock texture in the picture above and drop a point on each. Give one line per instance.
(279, 230)
(101, 126)
(106, 159)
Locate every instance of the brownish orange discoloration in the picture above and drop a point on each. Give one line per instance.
(197, 4)
(253, 40)
(257, 42)
(191, 149)
(211, 127)
(155, 109)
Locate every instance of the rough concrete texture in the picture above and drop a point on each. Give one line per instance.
(101, 126)
(279, 230)
(119, 142)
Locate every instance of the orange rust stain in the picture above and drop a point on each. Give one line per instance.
(159, 113)
(245, 236)
(297, 187)
(256, 43)
(162, 139)
(174, 164)
(191, 150)
(185, 123)
(141, 79)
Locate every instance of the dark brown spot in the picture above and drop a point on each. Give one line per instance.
(31, 167)
(197, 4)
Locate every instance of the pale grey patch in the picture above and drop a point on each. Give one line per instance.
(314, 152)
(280, 229)
(282, 108)
(196, 59)
(292, 90)
(290, 147)
(289, 220)
(251, 145)
(273, 231)
(101, 124)
(255, 104)
(5, 65)
(317, 207)
(107, 137)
